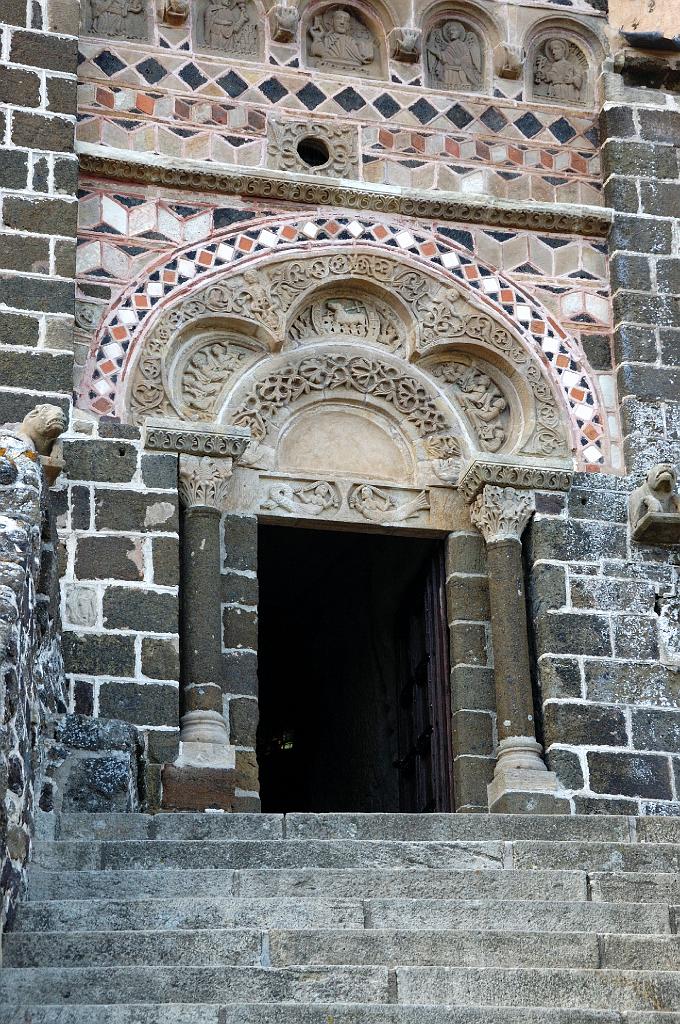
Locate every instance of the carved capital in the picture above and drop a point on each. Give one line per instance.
(283, 20)
(501, 513)
(204, 482)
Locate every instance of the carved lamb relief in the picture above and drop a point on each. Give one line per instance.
(115, 19)
(228, 26)
(560, 72)
(454, 57)
(654, 507)
(338, 40)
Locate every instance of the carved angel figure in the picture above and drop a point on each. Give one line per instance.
(454, 57)
(117, 18)
(559, 72)
(227, 26)
(340, 40)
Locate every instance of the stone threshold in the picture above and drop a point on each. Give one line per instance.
(153, 169)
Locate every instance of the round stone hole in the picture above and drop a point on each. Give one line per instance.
(313, 152)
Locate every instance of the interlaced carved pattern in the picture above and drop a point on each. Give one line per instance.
(338, 372)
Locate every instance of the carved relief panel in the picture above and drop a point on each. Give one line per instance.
(454, 57)
(116, 19)
(228, 26)
(338, 40)
(302, 146)
(351, 314)
(560, 72)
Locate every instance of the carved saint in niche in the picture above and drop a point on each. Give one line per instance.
(116, 19)
(560, 72)
(454, 57)
(228, 26)
(337, 39)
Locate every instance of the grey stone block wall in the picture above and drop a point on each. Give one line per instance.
(38, 213)
(120, 582)
(641, 166)
(604, 612)
(239, 646)
(473, 696)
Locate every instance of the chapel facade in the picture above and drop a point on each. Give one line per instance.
(339, 350)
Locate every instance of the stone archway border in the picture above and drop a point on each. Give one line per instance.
(122, 331)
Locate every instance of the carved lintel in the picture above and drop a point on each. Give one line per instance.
(283, 20)
(165, 435)
(406, 45)
(501, 513)
(416, 203)
(528, 475)
(204, 482)
(654, 507)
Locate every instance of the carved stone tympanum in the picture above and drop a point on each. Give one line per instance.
(454, 57)
(655, 507)
(560, 72)
(228, 26)
(115, 19)
(339, 41)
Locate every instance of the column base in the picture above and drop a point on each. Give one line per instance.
(522, 784)
(204, 741)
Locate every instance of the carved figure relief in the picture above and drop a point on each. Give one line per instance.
(379, 506)
(454, 57)
(654, 507)
(341, 141)
(560, 72)
(482, 400)
(302, 499)
(229, 26)
(207, 373)
(115, 19)
(366, 319)
(338, 40)
(81, 606)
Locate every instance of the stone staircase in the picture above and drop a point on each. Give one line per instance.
(348, 919)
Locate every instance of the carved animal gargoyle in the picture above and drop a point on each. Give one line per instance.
(40, 429)
(654, 507)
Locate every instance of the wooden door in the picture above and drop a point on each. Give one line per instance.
(425, 761)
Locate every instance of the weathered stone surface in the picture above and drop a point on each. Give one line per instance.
(630, 774)
(141, 703)
(109, 557)
(103, 461)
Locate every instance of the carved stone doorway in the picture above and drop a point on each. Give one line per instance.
(354, 698)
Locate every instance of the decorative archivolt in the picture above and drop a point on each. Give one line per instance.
(360, 328)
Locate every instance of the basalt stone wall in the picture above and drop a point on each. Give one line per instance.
(32, 687)
(38, 191)
(121, 580)
(605, 624)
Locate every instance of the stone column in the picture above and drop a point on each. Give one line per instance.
(521, 781)
(204, 738)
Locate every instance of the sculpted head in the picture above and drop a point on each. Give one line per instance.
(453, 30)
(341, 21)
(43, 425)
(557, 49)
(662, 478)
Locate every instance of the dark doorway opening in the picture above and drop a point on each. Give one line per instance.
(355, 709)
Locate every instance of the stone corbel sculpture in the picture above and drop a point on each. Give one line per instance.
(513, 61)
(40, 428)
(284, 22)
(654, 507)
(175, 12)
(406, 45)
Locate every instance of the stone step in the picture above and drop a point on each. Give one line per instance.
(635, 886)
(174, 1013)
(346, 883)
(594, 856)
(576, 855)
(439, 986)
(304, 912)
(83, 854)
(599, 990)
(390, 948)
(386, 827)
